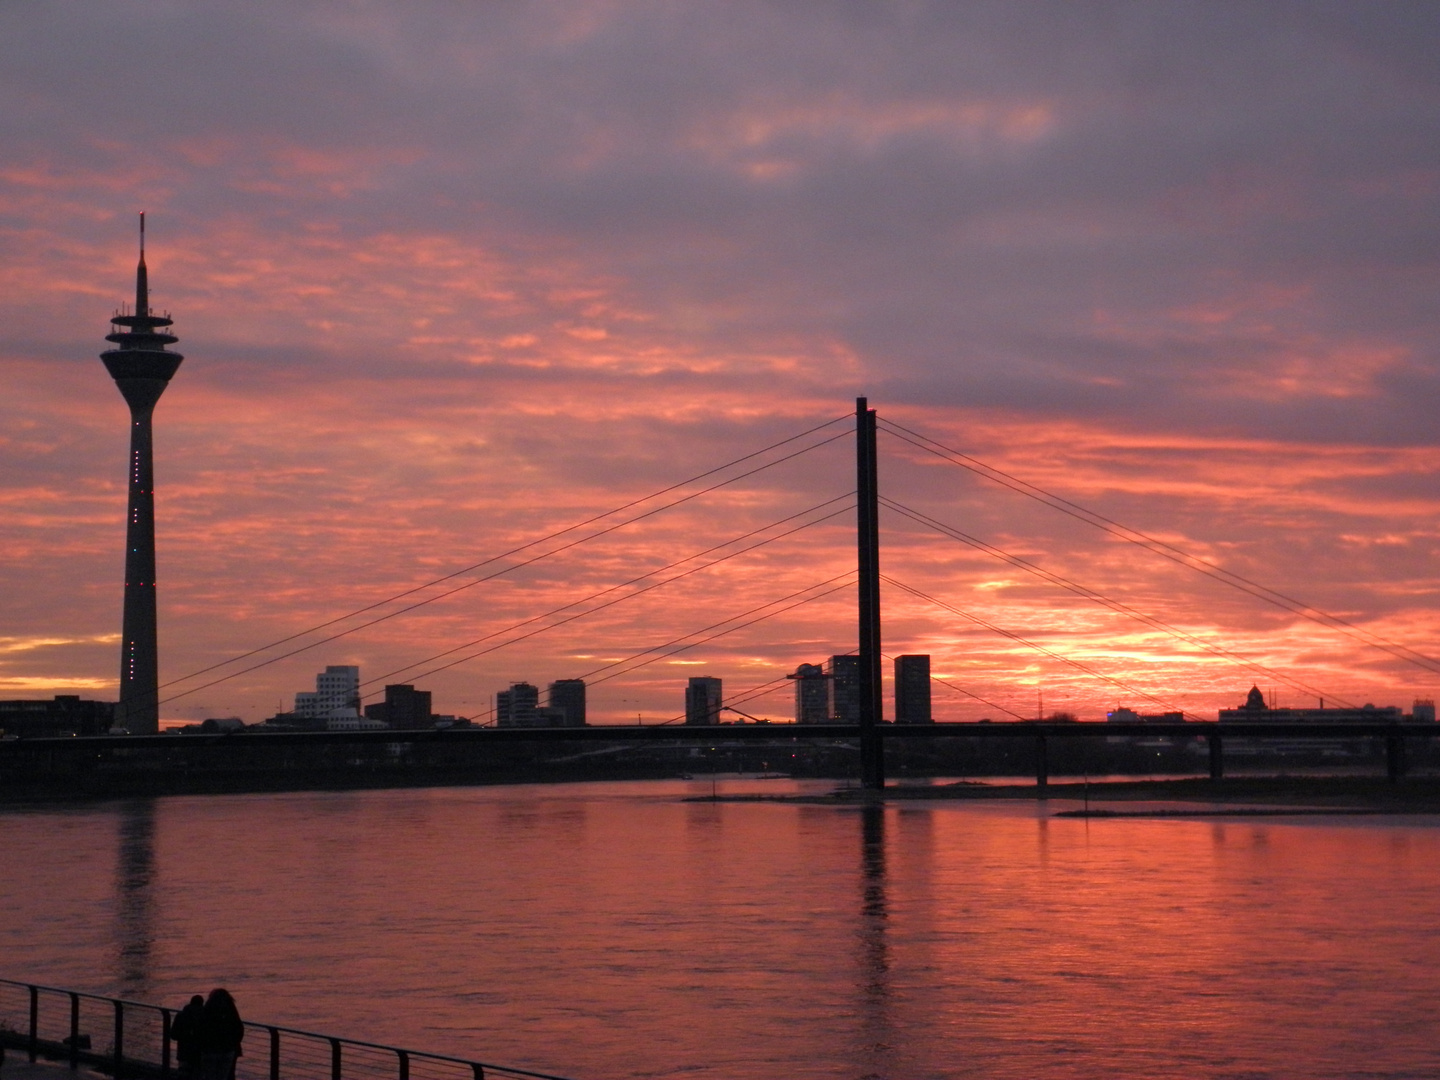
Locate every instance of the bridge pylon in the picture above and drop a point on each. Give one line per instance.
(867, 501)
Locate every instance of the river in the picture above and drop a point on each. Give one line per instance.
(609, 931)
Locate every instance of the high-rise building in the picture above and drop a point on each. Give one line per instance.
(912, 689)
(702, 700)
(567, 697)
(812, 694)
(141, 367)
(337, 688)
(845, 688)
(516, 707)
(406, 708)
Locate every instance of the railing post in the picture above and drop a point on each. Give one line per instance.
(119, 1040)
(335, 1059)
(1042, 764)
(404, 1064)
(74, 1030)
(1217, 758)
(34, 1022)
(479, 1070)
(164, 1044)
(274, 1054)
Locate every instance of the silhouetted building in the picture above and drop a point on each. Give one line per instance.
(812, 694)
(65, 714)
(702, 700)
(912, 689)
(404, 708)
(1255, 709)
(567, 697)
(141, 368)
(350, 720)
(845, 688)
(516, 707)
(1123, 715)
(1423, 711)
(215, 725)
(337, 688)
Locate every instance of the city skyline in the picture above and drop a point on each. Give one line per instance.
(1170, 268)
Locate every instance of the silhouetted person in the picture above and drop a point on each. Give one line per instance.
(221, 1031)
(185, 1030)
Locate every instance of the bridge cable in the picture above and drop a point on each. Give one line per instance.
(1027, 643)
(611, 589)
(753, 692)
(515, 550)
(1105, 601)
(1164, 550)
(845, 580)
(967, 693)
(636, 580)
(661, 654)
(774, 684)
(488, 577)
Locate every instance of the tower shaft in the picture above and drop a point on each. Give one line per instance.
(139, 710)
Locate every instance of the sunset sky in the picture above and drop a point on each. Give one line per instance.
(451, 277)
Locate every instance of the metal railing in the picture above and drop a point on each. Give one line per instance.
(131, 1040)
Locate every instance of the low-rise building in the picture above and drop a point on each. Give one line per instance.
(64, 714)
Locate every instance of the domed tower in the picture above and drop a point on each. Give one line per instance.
(141, 367)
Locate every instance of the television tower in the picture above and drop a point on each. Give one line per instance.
(141, 368)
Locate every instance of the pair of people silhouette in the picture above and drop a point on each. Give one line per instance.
(207, 1034)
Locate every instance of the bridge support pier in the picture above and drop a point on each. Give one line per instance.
(1217, 758)
(1395, 757)
(1042, 764)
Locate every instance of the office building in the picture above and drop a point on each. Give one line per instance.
(517, 706)
(812, 694)
(567, 697)
(845, 688)
(404, 708)
(702, 700)
(337, 689)
(142, 368)
(912, 689)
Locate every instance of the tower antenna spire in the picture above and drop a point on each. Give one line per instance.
(142, 276)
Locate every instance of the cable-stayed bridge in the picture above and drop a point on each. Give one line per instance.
(865, 501)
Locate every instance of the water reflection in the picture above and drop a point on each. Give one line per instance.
(874, 959)
(135, 901)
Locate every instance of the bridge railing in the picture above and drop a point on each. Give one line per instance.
(130, 1040)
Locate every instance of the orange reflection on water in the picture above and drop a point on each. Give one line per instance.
(613, 930)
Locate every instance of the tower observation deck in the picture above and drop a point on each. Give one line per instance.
(141, 367)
